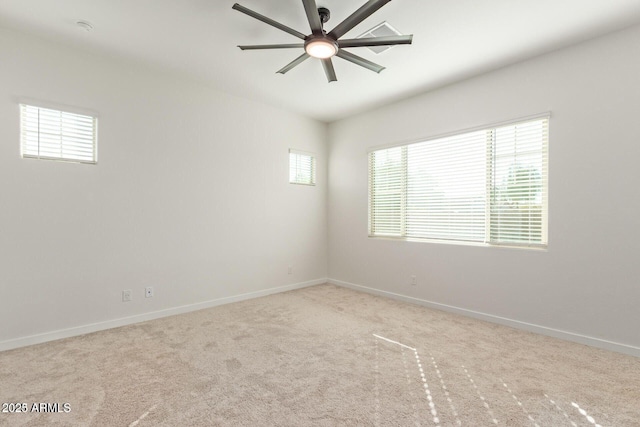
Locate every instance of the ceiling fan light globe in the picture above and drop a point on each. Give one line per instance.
(321, 48)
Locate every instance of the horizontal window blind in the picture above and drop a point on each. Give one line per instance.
(57, 135)
(446, 188)
(387, 182)
(486, 186)
(519, 184)
(302, 168)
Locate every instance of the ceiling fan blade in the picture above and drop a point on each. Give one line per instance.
(293, 63)
(271, 46)
(375, 41)
(328, 70)
(269, 21)
(359, 61)
(312, 15)
(357, 17)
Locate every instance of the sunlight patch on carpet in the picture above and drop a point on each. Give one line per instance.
(394, 342)
(553, 402)
(376, 414)
(412, 395)
(432, 406)
(484, 402)
(446, 392)
(585, 414)
(427, 391)
(142, 417)
(520, 404)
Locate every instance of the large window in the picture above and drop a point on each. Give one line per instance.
(486, 186)
(57, 135)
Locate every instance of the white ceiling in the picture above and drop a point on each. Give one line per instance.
(453, 40)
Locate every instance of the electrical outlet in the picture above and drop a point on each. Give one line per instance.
(126, 295)
(148, 292)
(414, 281)
(290, 269)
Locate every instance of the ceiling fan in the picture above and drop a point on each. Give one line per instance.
(322, 45)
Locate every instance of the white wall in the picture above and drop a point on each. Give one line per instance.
(587, 283)
(190, 195)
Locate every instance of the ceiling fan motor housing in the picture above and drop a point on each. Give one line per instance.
(324, 14)
(321, 47)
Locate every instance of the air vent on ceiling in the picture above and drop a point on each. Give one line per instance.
(380, 30)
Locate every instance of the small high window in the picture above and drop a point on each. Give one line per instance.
(57, 135)
(302, 168)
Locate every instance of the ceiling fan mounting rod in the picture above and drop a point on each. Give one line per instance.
(324, 14)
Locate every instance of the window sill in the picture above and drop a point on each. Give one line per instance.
(536, 248)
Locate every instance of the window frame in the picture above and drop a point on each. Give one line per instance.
(490, 164)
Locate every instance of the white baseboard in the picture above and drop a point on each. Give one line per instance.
(543, 330)
(100, 326)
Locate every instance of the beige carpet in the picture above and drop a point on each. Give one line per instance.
(322, 356)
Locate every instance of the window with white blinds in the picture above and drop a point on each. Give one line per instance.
(302, 168)
(57, 135)
(487, 186)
